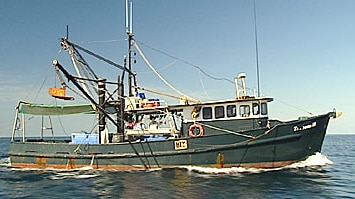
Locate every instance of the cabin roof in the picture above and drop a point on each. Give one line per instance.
(181, 106)
(244, 99)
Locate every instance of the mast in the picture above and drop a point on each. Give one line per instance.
(120, 114)
(256, 51)
(129, 31)
(102, 117)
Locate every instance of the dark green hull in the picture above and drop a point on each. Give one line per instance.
(279, 145)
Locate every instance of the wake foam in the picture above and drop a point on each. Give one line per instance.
(315, 160)
(74, 175)
(5, 162)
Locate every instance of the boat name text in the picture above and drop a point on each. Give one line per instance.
(305, 127)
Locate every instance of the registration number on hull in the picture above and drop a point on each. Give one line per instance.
(180, 144)
(305, 127)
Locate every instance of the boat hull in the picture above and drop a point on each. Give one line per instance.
(278, 146)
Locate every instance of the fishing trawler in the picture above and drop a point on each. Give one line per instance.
(152, 133)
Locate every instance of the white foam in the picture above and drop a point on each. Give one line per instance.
(5, 162)
(154, 170)
(232, 170)
(85, 176)
(315, 160)
(85, 168)
(61, 176)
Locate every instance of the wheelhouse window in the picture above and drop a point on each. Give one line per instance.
(244, 110)
(231, 110)
(219, 112)
(207, 113)
(256, 109)
(264, 108)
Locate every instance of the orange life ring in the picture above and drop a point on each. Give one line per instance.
(192, 128)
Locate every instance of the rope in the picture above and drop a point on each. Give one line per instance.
(152, 154)
(160, 69)
(106, 41)
(157, 92)
(39, 90)
(166, 82)
(203, 86)
(293, 106)
(248, 136)
(146, 157)
(186, 62)
(211, 76)
(227, 131)
(82, 60)
(171, 56)
(101, 58)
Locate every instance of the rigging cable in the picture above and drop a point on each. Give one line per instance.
(212, 77)
(174, 57)
(166, 82)
(39, 90)
(203, 86)
(160, 69)
(62, 82)
(105, 41)
(80, 70)
(293, 106)
(101, 58)
(60, 121)
(189, 63)
(83, 61)
(186, 62)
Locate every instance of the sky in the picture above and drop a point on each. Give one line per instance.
(305, 47)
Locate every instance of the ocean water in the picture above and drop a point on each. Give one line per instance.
(329, 174)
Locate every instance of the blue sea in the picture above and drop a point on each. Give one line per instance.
(330, 174)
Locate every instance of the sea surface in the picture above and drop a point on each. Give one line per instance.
(330, 174)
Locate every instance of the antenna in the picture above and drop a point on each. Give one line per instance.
(256, 50)
(129, 16)
(127, 29)
(67, 32)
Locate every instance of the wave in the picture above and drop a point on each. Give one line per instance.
(313, 161)
(5, 161)
(71, 174)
